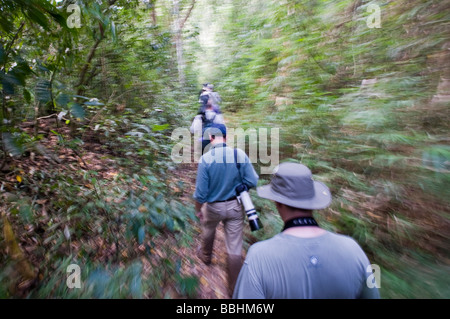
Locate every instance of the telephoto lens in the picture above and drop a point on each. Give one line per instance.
(250, 211)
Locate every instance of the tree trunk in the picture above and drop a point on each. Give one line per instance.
(104, 78)
(178, 41)
(154, 21)
(178, 30)
(83, 72)
(180, 59)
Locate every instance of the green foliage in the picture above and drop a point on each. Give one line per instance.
(109, 82)
(131, 212)
(359, 106)
(98, 281)
(366, 109)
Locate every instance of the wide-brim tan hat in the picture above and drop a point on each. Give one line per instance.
(292, 184)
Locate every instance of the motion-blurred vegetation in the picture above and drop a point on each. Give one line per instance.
(86, 117)
(367, 109)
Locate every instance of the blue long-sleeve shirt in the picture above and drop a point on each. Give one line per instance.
(218, 175)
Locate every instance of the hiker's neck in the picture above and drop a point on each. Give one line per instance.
(288, 213)
(218, 140)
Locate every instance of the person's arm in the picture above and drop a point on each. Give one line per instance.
(198, 210)
(369, 286)
(248, 173)
(368, 289)
(369, 293)
(248, 285)
(201, 187)
(196, 124)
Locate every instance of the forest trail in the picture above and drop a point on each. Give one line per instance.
(212, 278)
(90, 102)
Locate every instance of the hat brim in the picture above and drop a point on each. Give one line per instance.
(321, 199)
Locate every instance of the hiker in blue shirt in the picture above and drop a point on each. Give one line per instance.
(217, 179)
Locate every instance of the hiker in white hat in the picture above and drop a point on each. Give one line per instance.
(304, 260)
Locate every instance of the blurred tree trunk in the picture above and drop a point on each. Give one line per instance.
(154, 21)
(178, 30)
(82, 77)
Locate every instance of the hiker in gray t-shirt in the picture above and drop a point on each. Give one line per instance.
(304, 261)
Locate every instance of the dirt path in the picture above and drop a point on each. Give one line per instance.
(213, 278)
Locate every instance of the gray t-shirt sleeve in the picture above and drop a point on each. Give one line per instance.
(370, 293)
(248, 286)
(369, 290)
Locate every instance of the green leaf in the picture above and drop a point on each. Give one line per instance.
(35, 15)
(93, 103)
(2, 54)
(157, 127)
(188, 285)
(20, 73)
(98, 281)
(43, 91)
(26, 213)
(27, 95)
(77, 110)
(437, 158)
(135, 274)
(62, 99)
(141, 235)
(42, 68)
(81, 97)
(10, 80)
(113, 31)
(11, 144)
(59, 18)
(6, 25)
(8, 83)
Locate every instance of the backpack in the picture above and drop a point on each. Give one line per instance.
(215, 101)
(207, 121)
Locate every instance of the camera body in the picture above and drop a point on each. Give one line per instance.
(244, 198)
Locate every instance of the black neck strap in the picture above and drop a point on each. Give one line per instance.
(300, 221)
